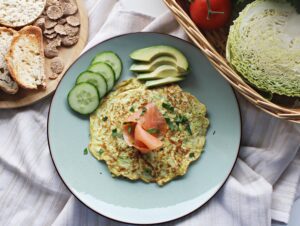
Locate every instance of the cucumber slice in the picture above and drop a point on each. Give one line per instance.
(163, 81)
(94, 78)
(112, 60)
(106, 71)
(84, 98)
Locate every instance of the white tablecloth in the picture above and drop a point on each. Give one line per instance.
(261, 187)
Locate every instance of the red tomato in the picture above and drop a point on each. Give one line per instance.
(219, 16)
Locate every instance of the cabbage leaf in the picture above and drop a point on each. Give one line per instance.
(264, 46)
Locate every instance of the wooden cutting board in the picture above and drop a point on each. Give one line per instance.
(69, 55)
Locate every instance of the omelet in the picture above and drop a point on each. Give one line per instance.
(181, 143)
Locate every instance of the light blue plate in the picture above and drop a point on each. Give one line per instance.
(138, 202)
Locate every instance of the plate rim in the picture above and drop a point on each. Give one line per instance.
(128, 222)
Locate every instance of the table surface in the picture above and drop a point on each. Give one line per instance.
(157, 7)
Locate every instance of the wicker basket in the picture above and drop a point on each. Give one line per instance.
(212, 44)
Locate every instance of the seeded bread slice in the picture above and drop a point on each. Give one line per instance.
(7, 84)
(25, 59)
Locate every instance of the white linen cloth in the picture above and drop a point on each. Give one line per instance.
(262, 186)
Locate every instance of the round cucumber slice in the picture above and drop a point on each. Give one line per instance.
(94, 78)
(112, 59)
(106, 71)
(84, 98)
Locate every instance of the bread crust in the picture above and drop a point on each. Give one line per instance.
(9, 30)
(5, 88)
(26, 31)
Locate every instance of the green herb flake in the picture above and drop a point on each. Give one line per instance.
(168, 107)
(85, 151)
(144, 110)
(170, 124)
(184, 119)
(115, 133)
(153, 131)
(129, 129)
(104, 118)
(180, 119)
(147, 171)
(131, 109)
(192, 155)
(188, 128)
(100, 152)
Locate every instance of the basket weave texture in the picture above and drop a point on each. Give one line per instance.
(212, 44)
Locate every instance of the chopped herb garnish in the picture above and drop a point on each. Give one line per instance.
(131, 109)
(170, 124)
(116, 134)
(86, 151)
(100, 152)
(153, 131)
(168, 107)
(129, 129)
(188, 128)
(143, 111)
(104, 118)
(192, 155)
(180, 119)
(147, 171)
(184, 119)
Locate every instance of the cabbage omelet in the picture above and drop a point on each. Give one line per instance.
(181, 144)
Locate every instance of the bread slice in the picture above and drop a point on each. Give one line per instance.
(18, 13)
(25, 58)
(7, 84)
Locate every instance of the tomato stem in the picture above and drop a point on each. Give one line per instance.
(210, 12)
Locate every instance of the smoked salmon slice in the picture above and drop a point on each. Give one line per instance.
(153, 119)
(137, 128)
(146, 138)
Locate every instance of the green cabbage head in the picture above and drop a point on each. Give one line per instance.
(264, 46)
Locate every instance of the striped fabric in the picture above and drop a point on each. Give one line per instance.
(262, 186)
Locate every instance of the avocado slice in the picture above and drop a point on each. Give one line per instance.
(160, 72)
(150, 53)
(163, 81)
(151, 66)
